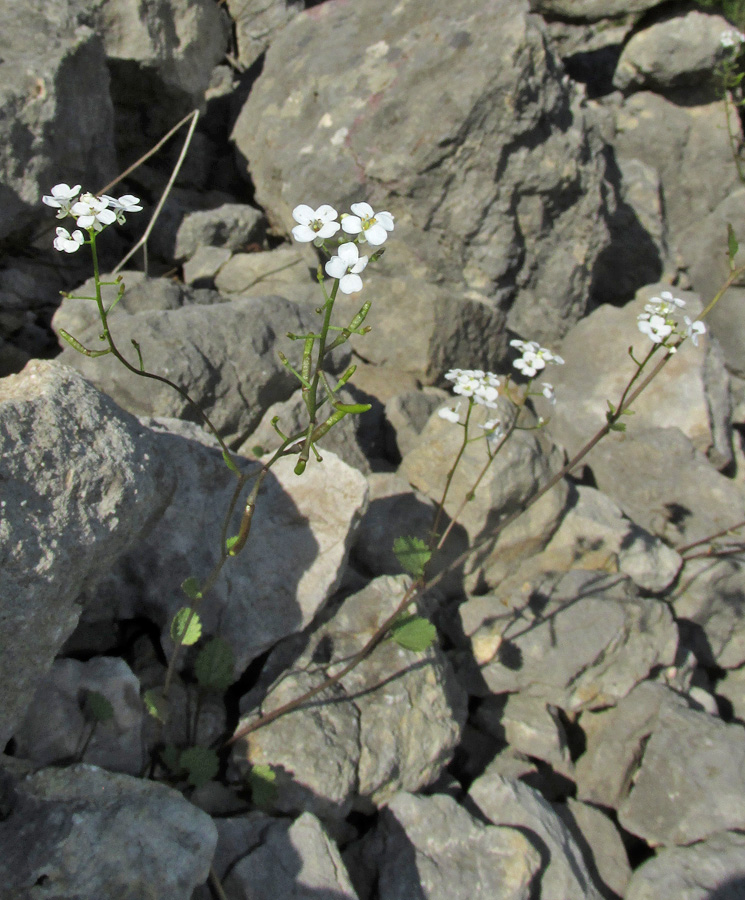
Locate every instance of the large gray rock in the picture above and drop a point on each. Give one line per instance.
(430, 848)
(414, 122)
(66, 834)
(56, 117)
(679, 798)
(295, 557)
(678, 52)
(390, 724)
(591, 9)
(232, 226)
(255, 23)
(513, 804)
(223, 354)
(527, 639)
(709, 870)
(57, 725)
(81, 481)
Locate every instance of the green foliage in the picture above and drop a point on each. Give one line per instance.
(187, 634)
(263, 788)
(732, 246)
(214, 666)
(171, 756)
(412, 553)
(156, 704)
(201, 765)
(96, 708)
(734, 10)
(190, 586)
(414, 633)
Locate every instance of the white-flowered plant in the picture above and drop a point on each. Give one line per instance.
(92, 213)
(483, 387)
(659, 321)
(367, 224)
(534, 357)
(731, 38)
(314, 224)
(346, 266)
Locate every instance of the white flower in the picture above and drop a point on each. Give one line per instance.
(128, 203)
(731, 37)
(370, 226)
(68, 242)
(450, 413)
(61, 198)
(494, 433)
(655, 327)
(477, 384)
(346, 266)
(694, 329)
(534, 357)
(314, 224)
(92, 212)
(548, 392)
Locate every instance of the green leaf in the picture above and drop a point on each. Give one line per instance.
(214, 666)
(97, 708)
(156, 704)
(229, 463)
(414, 633)
(732, 245)
(171, 755)
(179, 630)
(201, 765)
(190, 586)
(619, 426)
(412, 553)
(231, 542)
(263, 788)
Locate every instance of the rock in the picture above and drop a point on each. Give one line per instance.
(709, 870)
(663, 483)
(224, 355)
(203, 267)
(294, 559)
(81, 481)
(398, 111)
(677, 52)
(705, 247)
(591, 9)
(689, 148)
(601, 844)
(295, 861)
(408, 413)
(526, 639)
(390, 724)
(513, 804)
(256, 22)
(615, 743)
(709, 599)
(595, 535)
(285, 271)
(690, 393)
(679, 798)
(58, 724)
(526, 462)
(232, 226)
(65, 830)
(432, 848)
(54, 76)
(731, 687)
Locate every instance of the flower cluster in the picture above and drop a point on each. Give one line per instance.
(91, 213)
(658, 321)
(483, 387)
(367, 226)
(533, 359)
(731, 38)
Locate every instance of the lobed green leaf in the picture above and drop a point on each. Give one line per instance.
(412, 553)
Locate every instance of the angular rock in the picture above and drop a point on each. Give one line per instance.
(202, 268)
(527, 639)
(663, 483)
(55, 110)
(65, 830)
(294, 559)
(58, 722)
(223, 355)
(591, 9)
(690, 393)
(709, 870)
(430, 848)
(232, 226)
(679, 798)
(390, 724)
(256, 22)
(413, 122)
(513, 804)
(677, 52)
(408, 413)
(81, 481)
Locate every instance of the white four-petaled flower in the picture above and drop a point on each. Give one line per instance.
(346, 266)
(370, 226)
(314, 224)
(68, 242)
(61, 198)
(450, 413)
(694, 329)
(127, 203)
(481, 386)
(655, 327)
(534, 357)
(92, 212)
